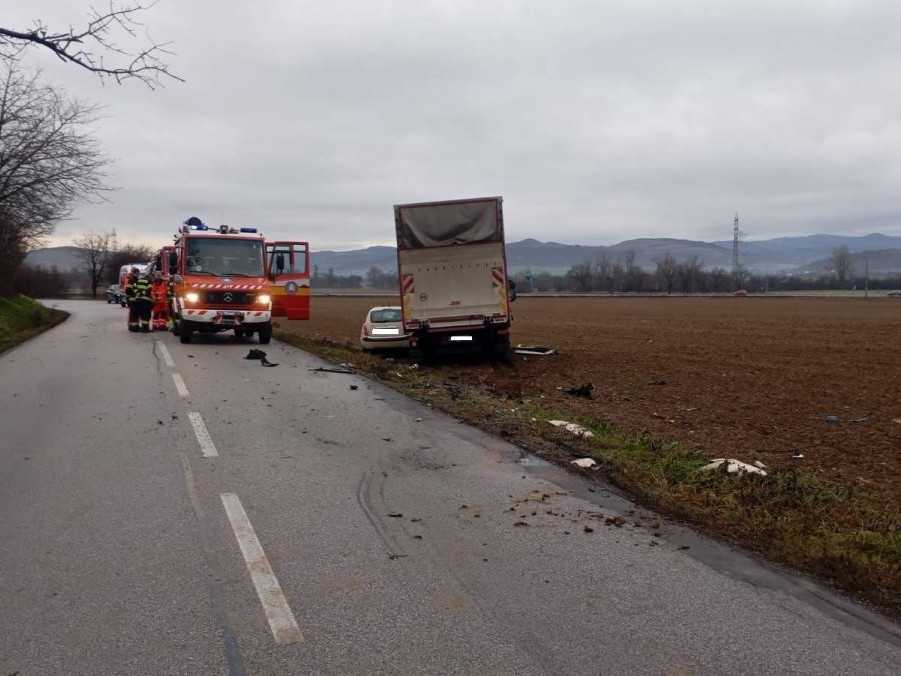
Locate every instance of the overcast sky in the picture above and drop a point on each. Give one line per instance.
(597, 121)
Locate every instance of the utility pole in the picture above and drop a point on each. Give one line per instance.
(736, 260)
(866, 277)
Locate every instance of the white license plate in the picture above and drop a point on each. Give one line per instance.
(386, 332)
(461, 339)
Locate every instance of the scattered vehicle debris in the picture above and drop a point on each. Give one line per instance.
(617, 521)
(861, 419)
(797, 455)
(535, 350)
(832, 419)
(320, 369)
(573, 428)
(355, 387)
(759, 464)
(261, 356)
(585, 463)
(395, 515)
(580, 391)
(734, 466)
(520, 524)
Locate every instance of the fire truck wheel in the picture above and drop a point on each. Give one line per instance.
(185, 333)
(265, 334)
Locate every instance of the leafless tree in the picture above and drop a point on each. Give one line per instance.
(666, 272)
(690, 272)
(842, 265)
(95, 45)
(48, 160)
(581, 276)
(96, 251)
(602, 266)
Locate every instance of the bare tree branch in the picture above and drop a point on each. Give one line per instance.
(88, 46)
(48, 161)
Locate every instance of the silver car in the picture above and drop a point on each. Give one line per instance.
(383, 330)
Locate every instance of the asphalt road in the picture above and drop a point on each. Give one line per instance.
(247, 520)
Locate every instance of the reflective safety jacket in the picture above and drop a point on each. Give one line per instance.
(140, 290)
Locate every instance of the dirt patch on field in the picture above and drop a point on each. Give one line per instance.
(758, 379)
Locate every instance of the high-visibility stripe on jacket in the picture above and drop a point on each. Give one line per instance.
(142, 289)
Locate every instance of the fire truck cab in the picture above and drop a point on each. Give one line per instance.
(219, 282)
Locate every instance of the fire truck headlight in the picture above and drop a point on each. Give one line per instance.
(192, 297)
(264, 299)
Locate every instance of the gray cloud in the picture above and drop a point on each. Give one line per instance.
(597, 121)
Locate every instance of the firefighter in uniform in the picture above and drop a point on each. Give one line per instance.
(160, 294)
(130, 280)
(141, 305)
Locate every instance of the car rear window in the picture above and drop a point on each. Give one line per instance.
(378, 316)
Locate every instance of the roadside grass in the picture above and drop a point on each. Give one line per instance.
(841, 534)
(22, 318)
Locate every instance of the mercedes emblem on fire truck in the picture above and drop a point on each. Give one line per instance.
(227, 298)
(291, 287)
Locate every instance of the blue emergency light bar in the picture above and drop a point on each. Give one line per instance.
(248, 229)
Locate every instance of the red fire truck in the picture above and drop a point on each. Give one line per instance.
(223, 279)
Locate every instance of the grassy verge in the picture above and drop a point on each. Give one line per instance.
(842, 534)
(22, 318)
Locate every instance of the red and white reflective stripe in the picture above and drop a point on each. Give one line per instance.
(407, 284)
(235, 287)
(498, 274)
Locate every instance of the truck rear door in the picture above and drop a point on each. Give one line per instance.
(288, 265)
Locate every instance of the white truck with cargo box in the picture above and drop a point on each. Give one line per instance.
(452, 270)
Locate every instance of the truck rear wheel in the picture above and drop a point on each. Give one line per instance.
(265, 333)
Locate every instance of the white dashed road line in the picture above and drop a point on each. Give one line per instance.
(275, 606)
(180, 386)
(207, 447)
(167, 358)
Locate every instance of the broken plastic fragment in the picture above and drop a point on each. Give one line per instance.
(734, 466)
(584, 463)
(573, 428)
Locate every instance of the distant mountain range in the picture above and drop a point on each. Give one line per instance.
(783, 254)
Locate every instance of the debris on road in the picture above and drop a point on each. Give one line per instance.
(588, 529)
(261, 356)
(355, 387)
(573, 428)
(832, 419)
(585, 463)
(617, 521)
(395, 515)
(320, 369)
(520, 524)
(535, 350)
(797, 455)
(861, 419)
(580, 391)
(733, 466)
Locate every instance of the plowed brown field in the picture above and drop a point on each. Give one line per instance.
(752, 378)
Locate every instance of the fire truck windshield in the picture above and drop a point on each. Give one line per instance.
(224, 257)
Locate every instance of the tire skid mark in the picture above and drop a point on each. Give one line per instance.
(365, 501)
